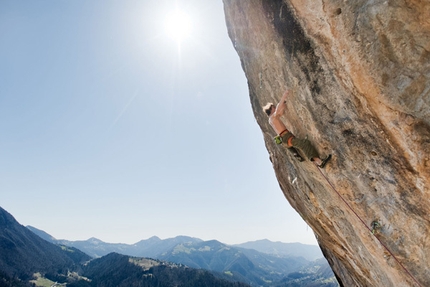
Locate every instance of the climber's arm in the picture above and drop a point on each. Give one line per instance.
(281, 106)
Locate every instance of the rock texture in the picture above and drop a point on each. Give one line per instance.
(359, 71)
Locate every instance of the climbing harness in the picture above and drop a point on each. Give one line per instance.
(375, 226)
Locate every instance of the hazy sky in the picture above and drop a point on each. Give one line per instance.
(111, 128)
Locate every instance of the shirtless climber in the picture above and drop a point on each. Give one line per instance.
(287, 138)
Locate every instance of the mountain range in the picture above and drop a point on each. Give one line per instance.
(154, 246)
(24, 253)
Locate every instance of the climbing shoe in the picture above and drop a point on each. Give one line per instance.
(324, 161)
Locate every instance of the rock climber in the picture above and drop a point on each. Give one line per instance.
(286, 137)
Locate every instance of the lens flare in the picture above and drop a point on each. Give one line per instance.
(178, 25)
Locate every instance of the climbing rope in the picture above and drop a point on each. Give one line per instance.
(372, 230)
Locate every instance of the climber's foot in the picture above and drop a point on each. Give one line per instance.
(324, 161)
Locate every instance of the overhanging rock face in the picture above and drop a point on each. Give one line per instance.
(359, 72)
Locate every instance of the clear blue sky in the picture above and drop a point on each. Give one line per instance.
(110, 128)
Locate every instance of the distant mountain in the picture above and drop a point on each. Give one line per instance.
(119, 270)
(145, 248)
(245, 265)
(23, 253)
(259, 263)
(24, 256)
(309, 252)
(42, 234)
(155, 246)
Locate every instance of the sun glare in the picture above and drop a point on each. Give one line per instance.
(178, 25)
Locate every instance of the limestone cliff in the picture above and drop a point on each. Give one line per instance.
(360, 74)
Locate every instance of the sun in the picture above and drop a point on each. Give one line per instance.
(178, 25)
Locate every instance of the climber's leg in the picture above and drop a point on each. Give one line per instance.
(295, 153)
(306, 147)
